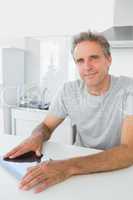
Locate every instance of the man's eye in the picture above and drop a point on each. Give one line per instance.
(94, 57)
(79, 61)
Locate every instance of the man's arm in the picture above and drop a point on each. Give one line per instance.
(47, 126)
(108, 160)
(53, 172)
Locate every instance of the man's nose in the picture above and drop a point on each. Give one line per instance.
(88, 65)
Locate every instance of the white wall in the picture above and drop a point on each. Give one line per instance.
(12, 41)
(48, 17)
(122, 63)
(123, 12)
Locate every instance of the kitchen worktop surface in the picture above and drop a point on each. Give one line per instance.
(102, 186)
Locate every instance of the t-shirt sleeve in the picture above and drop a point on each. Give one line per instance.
(128, 104)
(58, 105)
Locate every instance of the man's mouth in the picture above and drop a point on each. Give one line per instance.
(90, 74)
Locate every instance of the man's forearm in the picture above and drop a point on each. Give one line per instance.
(112, 159)
(43, 130)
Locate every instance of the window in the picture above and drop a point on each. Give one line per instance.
(49, 55)
(55, 55)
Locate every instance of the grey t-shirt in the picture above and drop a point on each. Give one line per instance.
(98, 119)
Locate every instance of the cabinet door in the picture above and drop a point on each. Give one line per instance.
(12, 72)
(25, 127)
(63, 133)
(24, 121)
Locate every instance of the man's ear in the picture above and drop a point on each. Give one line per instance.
(109, 58)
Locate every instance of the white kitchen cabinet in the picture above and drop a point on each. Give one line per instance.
(122, 61)
(24, 120)
(11, 76)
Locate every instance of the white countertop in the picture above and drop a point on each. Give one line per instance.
(30, 109)
(110, 185)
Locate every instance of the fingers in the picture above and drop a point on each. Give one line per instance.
(31, 168)
(48, 182)
(30, 175)
(39, 150)
(44, 185)
(36, 180)
(21, 151)
(12, 152)
(33, 177)
(17, 151)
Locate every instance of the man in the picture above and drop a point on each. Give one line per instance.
(101, 107)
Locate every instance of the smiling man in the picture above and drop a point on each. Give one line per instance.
(100, 106)
(93, 66)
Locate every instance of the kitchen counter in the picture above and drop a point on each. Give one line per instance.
(101, 186)
(31, 109)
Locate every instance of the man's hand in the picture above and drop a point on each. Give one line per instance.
(32, 143)
(35, 142)
(45, 175)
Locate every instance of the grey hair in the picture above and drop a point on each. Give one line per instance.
(94, 37)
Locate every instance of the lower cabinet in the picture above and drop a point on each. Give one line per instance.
(24, 120)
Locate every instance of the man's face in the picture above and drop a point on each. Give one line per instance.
(91, 62)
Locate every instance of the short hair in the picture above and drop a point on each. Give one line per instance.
(94, 37)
